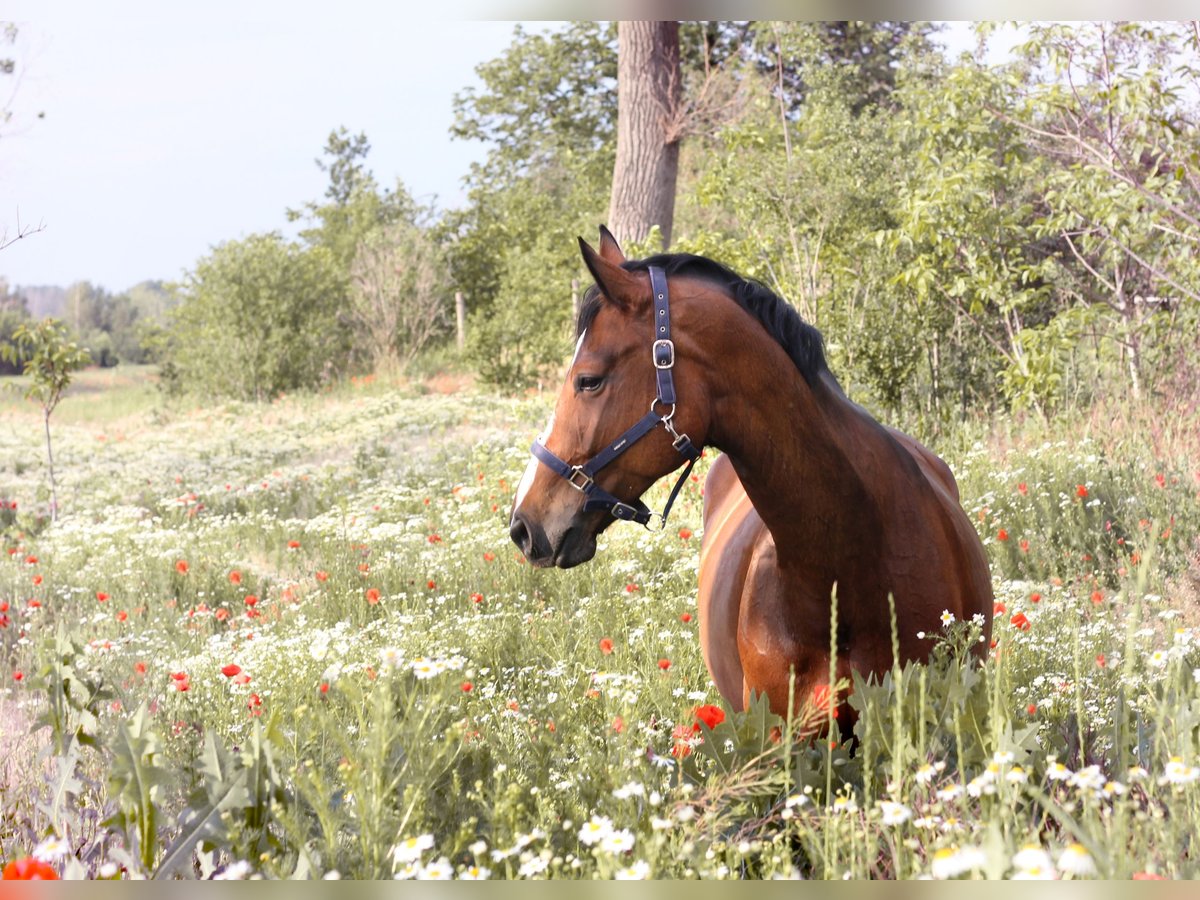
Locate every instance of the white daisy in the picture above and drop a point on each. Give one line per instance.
(1076, 860)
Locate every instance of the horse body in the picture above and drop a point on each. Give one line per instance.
(810, 492)
(813, 492)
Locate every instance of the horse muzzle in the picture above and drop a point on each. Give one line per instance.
(575, 546)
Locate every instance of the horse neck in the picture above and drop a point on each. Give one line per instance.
(795, 447)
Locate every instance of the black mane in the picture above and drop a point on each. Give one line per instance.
(802, 341)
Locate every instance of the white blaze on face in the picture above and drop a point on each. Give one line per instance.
(578, 347)
(531, 469)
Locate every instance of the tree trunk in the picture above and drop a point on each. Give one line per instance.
(649, 88)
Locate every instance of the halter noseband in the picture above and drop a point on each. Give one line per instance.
(583, 478)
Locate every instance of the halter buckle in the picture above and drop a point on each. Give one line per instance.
(669, 360)
(585, 484)
(624, 512)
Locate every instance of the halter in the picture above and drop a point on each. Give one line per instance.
(583, 478)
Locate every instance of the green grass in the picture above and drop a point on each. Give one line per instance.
(410, 697)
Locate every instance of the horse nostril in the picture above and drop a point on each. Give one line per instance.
(520, 535)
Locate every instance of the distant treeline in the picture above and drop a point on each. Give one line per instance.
(116, 328)
(968, 237)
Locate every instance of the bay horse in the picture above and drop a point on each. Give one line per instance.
(810, 491)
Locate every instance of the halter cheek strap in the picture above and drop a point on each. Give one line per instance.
(583, 477)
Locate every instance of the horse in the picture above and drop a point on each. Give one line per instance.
(809, 491)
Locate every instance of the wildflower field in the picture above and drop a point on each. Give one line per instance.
(294, 640)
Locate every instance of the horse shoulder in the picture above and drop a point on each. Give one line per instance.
(732, 531)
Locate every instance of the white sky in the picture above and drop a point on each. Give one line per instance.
(170, 127)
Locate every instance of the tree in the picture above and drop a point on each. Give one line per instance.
(547, 110)
(355, 205)
(398, 296)
(50, 361)
(649, 94)
(14, 312)
(258, 317)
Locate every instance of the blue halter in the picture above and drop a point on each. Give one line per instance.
(583, 478)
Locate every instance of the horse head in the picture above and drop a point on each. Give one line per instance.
(618, 424)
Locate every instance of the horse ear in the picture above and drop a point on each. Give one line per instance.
(609, 248)
(623, 288)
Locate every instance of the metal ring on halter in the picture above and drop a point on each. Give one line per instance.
(662, 523)
(669, 416)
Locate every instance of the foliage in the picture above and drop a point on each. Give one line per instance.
(112, 326)
(49, 363)
(398, 298)
(548, 109)
(356, 206)
(258, 317)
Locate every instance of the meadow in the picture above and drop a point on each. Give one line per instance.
(293, 640)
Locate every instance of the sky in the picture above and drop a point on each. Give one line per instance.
(171, 127)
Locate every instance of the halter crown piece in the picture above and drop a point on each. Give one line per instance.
(583, 477)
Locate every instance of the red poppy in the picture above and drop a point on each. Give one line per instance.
(681, 738)
(324, 689)
(477, 598)
(372, 595)
(1021, 621)
(1101, 661)
(1002, 535)
(32, 560)
(685, 618)
(181, 567)
(122, 615)
(29, 869)
(1022, 489)
(1097, 597)
(320, 575)
(710, 715)
(1024, 546)
(606, 646)
(467, 687)
(1031, 709)
(230, 670)
(435, 538)
(1081, 490)
(618, 724)
(431, 584)
(999, 609)
(489, 556)
(1035, 598)
(251, 600)
(101, 596)
(820, 697)
(685, 533)
(139, 668)
(235, 577)
(37, 579)
(664, 664)
(18, 675)
(293, 545)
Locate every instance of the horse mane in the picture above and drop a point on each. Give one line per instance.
(802, 342)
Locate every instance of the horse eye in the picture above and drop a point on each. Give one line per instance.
(588, 382)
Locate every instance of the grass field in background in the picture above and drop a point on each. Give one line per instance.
(294, 640)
